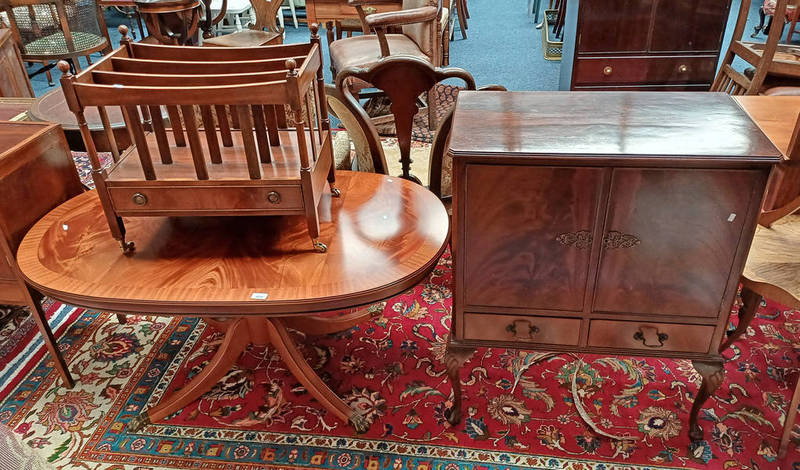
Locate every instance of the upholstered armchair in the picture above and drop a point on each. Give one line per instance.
(420, 35)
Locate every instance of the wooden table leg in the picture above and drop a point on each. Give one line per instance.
(713, 374)
(237, 338)
(788, 424)
(750, 303)
(282, 341)
(454, 359)
(50, 342)
(329, 325)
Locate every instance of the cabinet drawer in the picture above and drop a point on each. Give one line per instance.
(650, 336)
(11, 293)
(526, 329)
(644, 70)
(186, 198)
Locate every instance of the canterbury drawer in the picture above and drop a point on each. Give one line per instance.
(644, 70)
(528, 329)
(650, 336)
(11, 293)
(177, 198)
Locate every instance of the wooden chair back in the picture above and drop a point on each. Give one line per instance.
(266, 15)
(403, 79)
(731, 81)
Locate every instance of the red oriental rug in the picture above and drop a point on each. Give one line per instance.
(520, 413)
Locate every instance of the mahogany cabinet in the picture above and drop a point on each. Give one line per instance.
(13, 76)
(642, 44)
(607, 223)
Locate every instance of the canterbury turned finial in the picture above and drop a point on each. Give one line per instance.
(291, 65)
(123, 30)
(64, 67)
(314, 27)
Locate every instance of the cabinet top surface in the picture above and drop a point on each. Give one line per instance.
(13, 133)
(670, 125)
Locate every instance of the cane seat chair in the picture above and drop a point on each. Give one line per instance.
(224, 149)
(51, 30)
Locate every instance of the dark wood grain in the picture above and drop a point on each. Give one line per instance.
(622, 28)
(15, 80)
(515, 256)
(688, 224)
(635, 128)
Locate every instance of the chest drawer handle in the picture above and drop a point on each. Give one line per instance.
(581, 239)
(139, 199)
(614, 239)
(273, 197)
(522, 329)
(683, 68)
(608, 70)
(650, 337)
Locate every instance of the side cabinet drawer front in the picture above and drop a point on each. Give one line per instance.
(177, 198)
(528, 235)
(525, 329)
(650, 336)
(670, 239)
(654, 70)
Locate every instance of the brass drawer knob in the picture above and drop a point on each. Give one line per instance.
(683, 68)
(608, 70)
(522, 329)
(139, 199)
(650, 337)
(274, 197)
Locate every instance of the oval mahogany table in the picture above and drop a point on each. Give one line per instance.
(250, 276)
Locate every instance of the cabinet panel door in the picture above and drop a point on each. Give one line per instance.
(619, 26)
(528, 235)
(689, 25)
(670, 238)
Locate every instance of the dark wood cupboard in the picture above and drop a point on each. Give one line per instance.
(13, 76)
(606, 223)
(645, 44)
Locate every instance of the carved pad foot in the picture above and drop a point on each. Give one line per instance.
(138, 423)
(454, 358)
(713, 374)
(359, 422)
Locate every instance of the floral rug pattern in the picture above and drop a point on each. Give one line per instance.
(519, 411)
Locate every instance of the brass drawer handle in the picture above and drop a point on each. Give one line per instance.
(581, 239)
(274, 197)
(683, 68)
(648, 335)
(608, 70)
(139, 199)
(614, 239)
(522, 329)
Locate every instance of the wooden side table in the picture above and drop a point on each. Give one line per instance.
(171, 21)
(37, 173)
(253, 276)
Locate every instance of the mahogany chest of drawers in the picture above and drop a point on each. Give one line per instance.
(607, 223)
(642, 44)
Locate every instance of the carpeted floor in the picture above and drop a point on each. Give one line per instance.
(520, 413)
